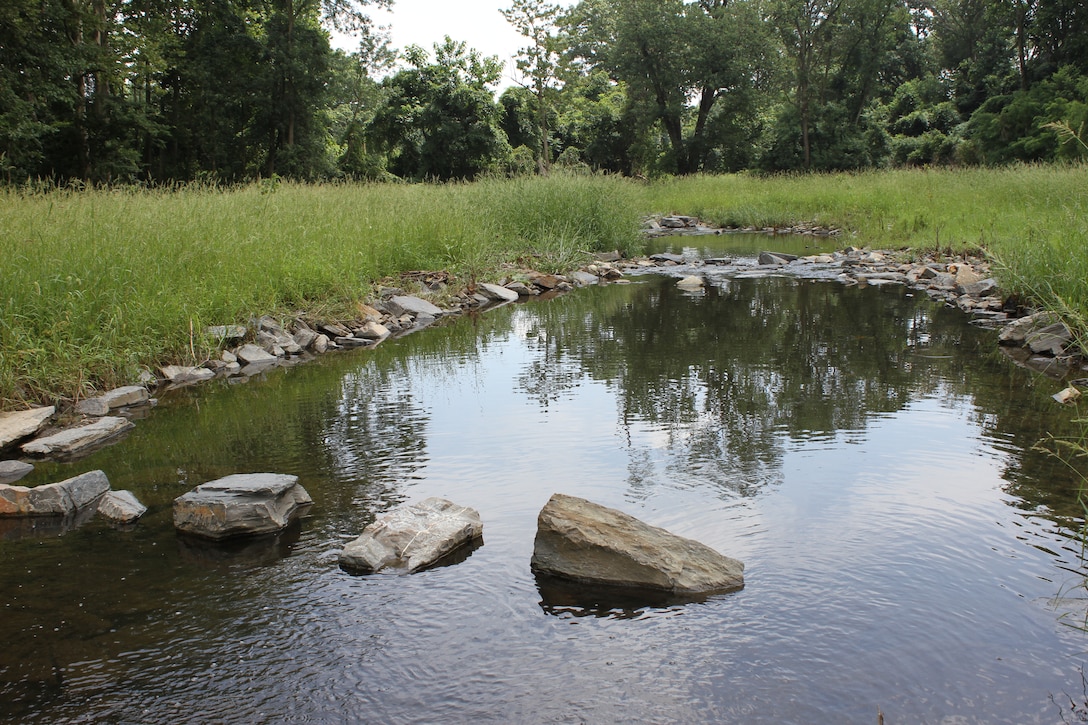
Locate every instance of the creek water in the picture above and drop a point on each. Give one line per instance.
(868, 454)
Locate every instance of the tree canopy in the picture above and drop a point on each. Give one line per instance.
(167, 91)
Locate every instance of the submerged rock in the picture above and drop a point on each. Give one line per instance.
(54, 499)
(22, 423)
(78, 441)
(586, 542)
(12, 471)
(244, 504)
(413, 537)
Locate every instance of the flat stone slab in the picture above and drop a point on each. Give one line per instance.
(84, 439)
(12, 471)
(22, 423)
(497, 292)
(54, 499)
(244, 504)
(413, 537)
(415, 306)
(586, 542)
(121, 507)
(254, 355)
(116, 398)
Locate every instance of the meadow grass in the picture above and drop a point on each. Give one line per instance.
(97, 285)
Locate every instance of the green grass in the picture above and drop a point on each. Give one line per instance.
(97, 285)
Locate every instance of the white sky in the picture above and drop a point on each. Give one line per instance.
(476, 22)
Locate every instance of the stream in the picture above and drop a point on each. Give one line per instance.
(870, 455)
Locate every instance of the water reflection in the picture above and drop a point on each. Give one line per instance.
(867, 454)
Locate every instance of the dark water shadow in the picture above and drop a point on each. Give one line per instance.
(566, 598)
(243, 551)
(44, 527)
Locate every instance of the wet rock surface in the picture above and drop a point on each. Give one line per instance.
(585, 542)
(412, 537)
(54, 499)
(245, 504)
(81, 440)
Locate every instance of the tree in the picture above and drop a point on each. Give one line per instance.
(540, 63)
(440, 120)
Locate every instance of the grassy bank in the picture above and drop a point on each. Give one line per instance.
(95, 286)
(1031, 220)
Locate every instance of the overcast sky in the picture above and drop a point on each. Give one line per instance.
(477, 22)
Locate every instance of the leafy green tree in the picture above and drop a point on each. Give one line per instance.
(440, 120)
(540, 64)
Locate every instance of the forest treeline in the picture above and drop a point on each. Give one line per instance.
(165, 91)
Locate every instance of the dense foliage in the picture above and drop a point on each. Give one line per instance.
(158, 91)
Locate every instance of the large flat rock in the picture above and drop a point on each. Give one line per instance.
(586, 542)
(54, 499)
(415, 306)
(22, 423)
(413, 537)
(77, 441)
(245, 504)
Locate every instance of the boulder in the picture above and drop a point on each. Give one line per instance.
(54, 499)
(691, 282)
(405, 305)
(77, 441)
(586, 542)
(666, 257)
(582, 279)
(372, 330)
(244, 504)
(496, 292)
(1050, 340)
(121, 507)
(12, 471)
(92, 406)
(304, 337)
(22, 423)
(413, 537)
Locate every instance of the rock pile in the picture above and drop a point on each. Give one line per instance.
(65, 504)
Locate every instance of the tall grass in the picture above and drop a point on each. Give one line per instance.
(97, 285)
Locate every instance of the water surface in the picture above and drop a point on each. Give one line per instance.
(866, 453)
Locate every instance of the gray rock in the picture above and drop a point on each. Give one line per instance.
(582, 279)
(245, 504)
(253, 355)
(123, 397)
(121, 507)
(1050, 340)
(77, 441)
(666, 257)
(586, 542)
(406, 305)
(93, 406)
(321, 344)
(229, 334)
(333, 330)
(22, 423)
(1016, 332)
(775, 258)
(352, 341)
(185, 374)
(522, 289)
(305, 337)
(496, 292)
(54, 499)
(978, 289)
(414, 536)
(12, 471)
(373, 331)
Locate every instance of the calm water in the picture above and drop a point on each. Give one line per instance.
(866, 453)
